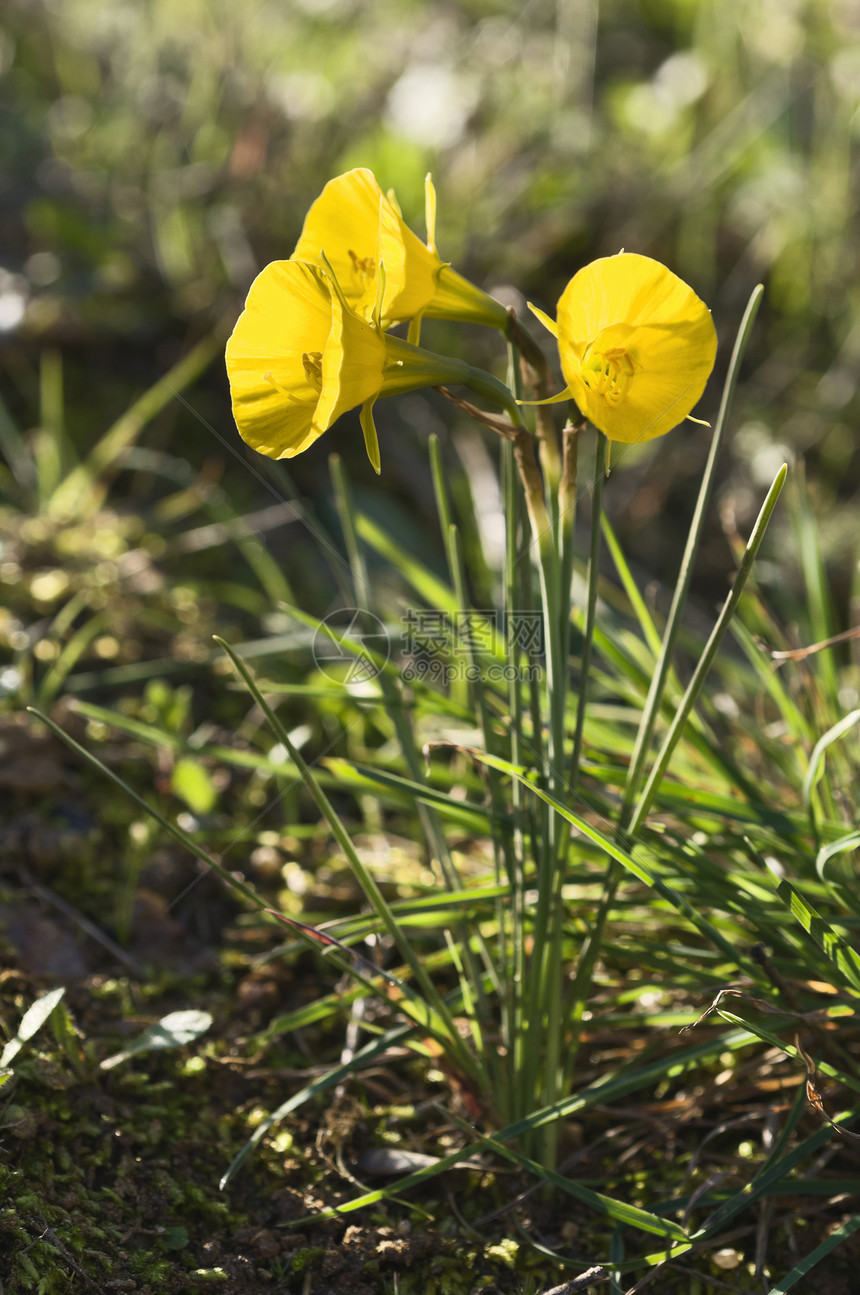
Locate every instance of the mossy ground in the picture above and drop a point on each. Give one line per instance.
(109, 1179)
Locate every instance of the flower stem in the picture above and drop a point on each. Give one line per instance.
(600, 460)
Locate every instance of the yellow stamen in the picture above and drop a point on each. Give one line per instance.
(608, 373)
(312, 365)
(363, 266)
(279, 386)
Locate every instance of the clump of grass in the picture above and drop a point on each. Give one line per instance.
(709, 876)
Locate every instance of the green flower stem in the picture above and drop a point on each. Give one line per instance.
(631, 821)
(502, 841)
(658, 681)
(545, 1011)
(601, 457)
(515, 1033)
(524, 457)
(457, 298)
(432, 828)
(407, 368)
(567, 519)
(484, 384)
(557, 606)
(538, 375)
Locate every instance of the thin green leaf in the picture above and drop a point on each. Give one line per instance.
(32, 1021)
(816, 760)
(431, 1009)
(815, 1256)
(428, 587)
(708, 654)
(630, 1215)
(661, 672)
(616, 852)
(831, 945)
(845, 844)
(173, 1031)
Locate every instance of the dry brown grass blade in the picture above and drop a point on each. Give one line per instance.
(581, 1283)
(814, 1097)
(800, 654)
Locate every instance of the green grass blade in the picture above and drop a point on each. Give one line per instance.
(429, 587)
(176, 832)
(815, 1256)
(833, 947)
(708, 654)
(842, 846)
(637, 602)
(629, 1215)
(618, 853)
(16, 452)
(475, 817)
(816, 762)
(49, 443)
(601, 452)
(438, 1020)
(822, 620)
(73, 496)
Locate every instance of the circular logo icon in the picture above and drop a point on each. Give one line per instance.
(351, 645)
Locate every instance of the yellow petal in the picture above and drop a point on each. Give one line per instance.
(636, 346)
(371, 440)
(548, 323)
(352, 364)
(625, 289)
(410, 267)
(430, 211)
(359, 228)
(287, 315)
(343, 223)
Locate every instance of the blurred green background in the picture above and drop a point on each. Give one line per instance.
(155, 156)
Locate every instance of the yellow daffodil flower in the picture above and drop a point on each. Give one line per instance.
(357, 227)
(636, 346)
(300, 356)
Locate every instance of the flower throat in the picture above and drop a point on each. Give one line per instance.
(608, 373)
